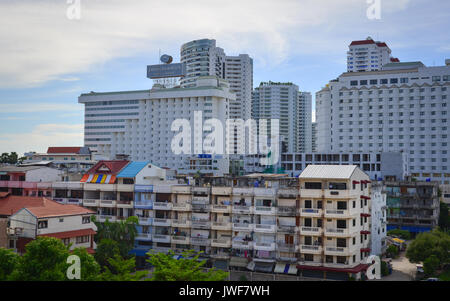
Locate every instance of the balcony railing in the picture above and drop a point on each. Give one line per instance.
(221, 243)
(287, 210)
(178, 239)
(310, 249)
(287, 229)
(200, 241)
(265, 228)
(161, 238)
(144, 220)
(265, 210)
(264, 246)
(90, 202)
(241, 244)
(165, 222)
(182, 223)
(201, 224)
(201, 207)
(144, 236)
(107, 203)
(243, 226)
(285, 247)
(311, 212)
(310, 231)
(221, 208)
(162, 206)
(181, 207)
(221, 226)
(242, 209)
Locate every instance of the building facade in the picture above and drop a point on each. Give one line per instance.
(402, 108)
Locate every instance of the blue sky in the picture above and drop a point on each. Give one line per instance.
(48, 60)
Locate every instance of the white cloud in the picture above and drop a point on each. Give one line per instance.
(44, 45)
(41, 137)
(39, 107)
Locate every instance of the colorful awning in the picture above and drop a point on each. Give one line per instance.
(99, 179)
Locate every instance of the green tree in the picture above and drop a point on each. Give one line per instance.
(384, 268)
(430, 265)
(392, 251)
(123, 232)
(400, 233)
(8, 263)
(444, 218)
(106, 249)
(44, 260)
(121, 269)
(187, 268)
(90, 269)
(430, 243)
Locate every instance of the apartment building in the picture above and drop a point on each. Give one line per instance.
(402, 108)
(377, 165)
(32, 217)
(264, 222)
(144, 130)
(368, 55)
(28, 180)
(314, 137)
(284, 101)
(412, 205)
(445, 193)
(378, 219)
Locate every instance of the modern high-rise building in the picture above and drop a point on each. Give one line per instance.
(402, 108)
(368, 55)
(142, 129)
(285, 102)
(314, 137)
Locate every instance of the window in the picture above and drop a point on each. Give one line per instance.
(42, 224)
(337, 186)
(313, 185)
(86, 219)
(82, 239)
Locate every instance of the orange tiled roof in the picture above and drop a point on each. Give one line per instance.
(67, 234)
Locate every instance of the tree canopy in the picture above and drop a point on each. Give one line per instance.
(430, 243)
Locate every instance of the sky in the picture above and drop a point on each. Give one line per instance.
(51, 51)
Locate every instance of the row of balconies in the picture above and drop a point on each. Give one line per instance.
(26, 184)
(107, 203)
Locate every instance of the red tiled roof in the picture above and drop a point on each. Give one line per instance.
(39, 206)
(362, 42)
(67, 234)
(382, 44)
(395, 60)
(114, 166)
(4, 194)
(64, 150)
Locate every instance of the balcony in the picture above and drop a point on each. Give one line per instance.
(287, 193)
(310, 212)
(201, 224)
(181, 189)
(91, 203)
(243, 227)
(125, 204)
(100, 187)
(311, 231)
(241, 244)
(221, 208)
(226, 226)
(161, 238)
(197, 200)
(107, 203)
(243, 191)
(284, 247)
(73, 201)
(264, 246)
(242, 209)
(221, 190)
(181, 207)
(287, 228)
(342, 194)
(340, 232)
(338, 213)
(146, 221)
(201, 208)
(221, 243)
(180, 240)
(144, 236)
(125, 187)
(200, 241)
(265, 210)
(143, 204)
(265, 228)
(103, 218)
(162, 206)
(162, 222)
(287, 210)
(181, 223)
(309, 249)
(311, 193)
(339, 251)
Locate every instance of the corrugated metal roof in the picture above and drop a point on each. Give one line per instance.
(132, 169)
(328, 171)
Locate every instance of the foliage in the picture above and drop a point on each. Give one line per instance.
(404, 234)
(90, 269)
(430, 265)
(430, 243)
(384, 268)
(187, 268)
(444, 218)
(8, 262)
(122, 270)
(44, 260)
(445, 276)
(123, 232)
(106, 249)
(392, 251)
(243, 278)
(9, 158)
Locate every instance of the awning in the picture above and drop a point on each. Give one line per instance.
(264, 267)
(99, 179)
(238, 262)
(286, 268)
(221, 264)
(398, 240)
(140, 252)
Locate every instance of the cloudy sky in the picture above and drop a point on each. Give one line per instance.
(48, 57)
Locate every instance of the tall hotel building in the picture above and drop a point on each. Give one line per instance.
(138, 123)
(285, 102)
(404, 107)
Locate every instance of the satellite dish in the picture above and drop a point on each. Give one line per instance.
(166, 59)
